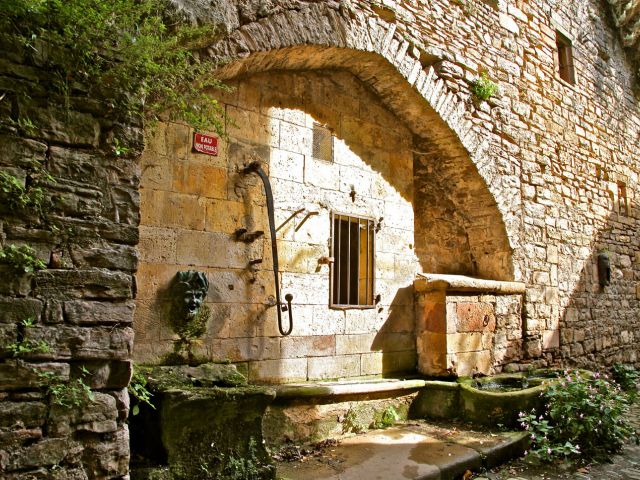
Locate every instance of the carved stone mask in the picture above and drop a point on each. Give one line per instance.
(190, 290)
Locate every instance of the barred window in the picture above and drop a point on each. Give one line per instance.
(352, 271)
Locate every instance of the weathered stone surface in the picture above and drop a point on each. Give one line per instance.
(84, 342)
(107, 455)
(115, 257)
(88, 284)
(18, 374)
(46, 452)
(97, 313)
(27, 414)
(98, 416)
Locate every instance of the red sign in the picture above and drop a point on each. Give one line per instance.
(205, 144)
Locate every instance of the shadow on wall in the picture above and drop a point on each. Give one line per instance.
(600, 323)
(395, 340)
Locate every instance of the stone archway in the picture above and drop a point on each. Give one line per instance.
(455, 198)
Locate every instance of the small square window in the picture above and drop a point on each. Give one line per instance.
(565, 59)
(352, 271)
(322, 143)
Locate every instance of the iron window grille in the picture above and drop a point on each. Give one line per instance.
(322, 147)
(565, 59)
(353, 267)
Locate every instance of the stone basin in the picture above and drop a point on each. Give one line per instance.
(489, 401)
(207, 424)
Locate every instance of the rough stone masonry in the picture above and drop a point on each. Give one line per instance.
(526, 187)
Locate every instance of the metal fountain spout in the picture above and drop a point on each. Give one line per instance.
(255, 167)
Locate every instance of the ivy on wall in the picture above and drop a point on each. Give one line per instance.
(129, 53)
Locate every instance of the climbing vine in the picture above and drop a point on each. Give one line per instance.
(127, 52)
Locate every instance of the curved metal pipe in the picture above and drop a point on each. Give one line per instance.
(254, 167)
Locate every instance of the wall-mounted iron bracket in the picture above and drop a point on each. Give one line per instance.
(242, 235)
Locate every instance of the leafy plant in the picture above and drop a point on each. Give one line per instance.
(386, 418)
(585, 415)
(21, 259)
(18, 197)
(25, 346)
(245, 467)
(352, 424)
(483, 87)
(127, 51)
(67, 394)
(138, 390)
(627, 377)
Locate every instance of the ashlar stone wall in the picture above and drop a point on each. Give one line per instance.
(191, 205)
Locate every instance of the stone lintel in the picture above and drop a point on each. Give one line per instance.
(428, 282)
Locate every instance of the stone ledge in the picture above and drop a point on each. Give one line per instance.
(427, 282)
(325, 389)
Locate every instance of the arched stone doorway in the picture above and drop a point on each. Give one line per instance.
(439, 169)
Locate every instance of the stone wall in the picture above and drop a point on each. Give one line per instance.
(78, 309)
(558, 160)
(193, 203)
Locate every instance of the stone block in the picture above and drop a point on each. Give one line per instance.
(350, 344)
(84, 343)
(245, 349)
(19, 375)
(107, 455)
(228, 216)
(296, 138)
(464, 342)
(14, 310)
(550, 339)
(90, 284)
(80, 312)
(278, 371)
(171, 209)
(313, 346)
(321, 174)
(201, 180)
(468, 363)
(98, 415)
(475, 317)
(105, 375)
(431, 317)
(45, 453)
(28, 414)
(320, 368)
(157, 245)
(432, 351)
(114, 257)
(287, 165)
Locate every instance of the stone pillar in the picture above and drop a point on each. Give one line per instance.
(466, 325)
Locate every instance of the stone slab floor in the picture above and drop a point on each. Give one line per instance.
(409, 451)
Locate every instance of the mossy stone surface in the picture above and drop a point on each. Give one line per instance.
(493, 408)
(437, 400)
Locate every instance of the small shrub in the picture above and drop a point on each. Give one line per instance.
(21, 259)
(585, 415)
(484, 88)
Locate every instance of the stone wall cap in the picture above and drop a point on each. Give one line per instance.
(427, 282)
(325, 389)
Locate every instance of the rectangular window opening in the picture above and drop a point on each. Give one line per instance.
(322, 148)
(565, 59)
(623, 202)
(352, 271)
